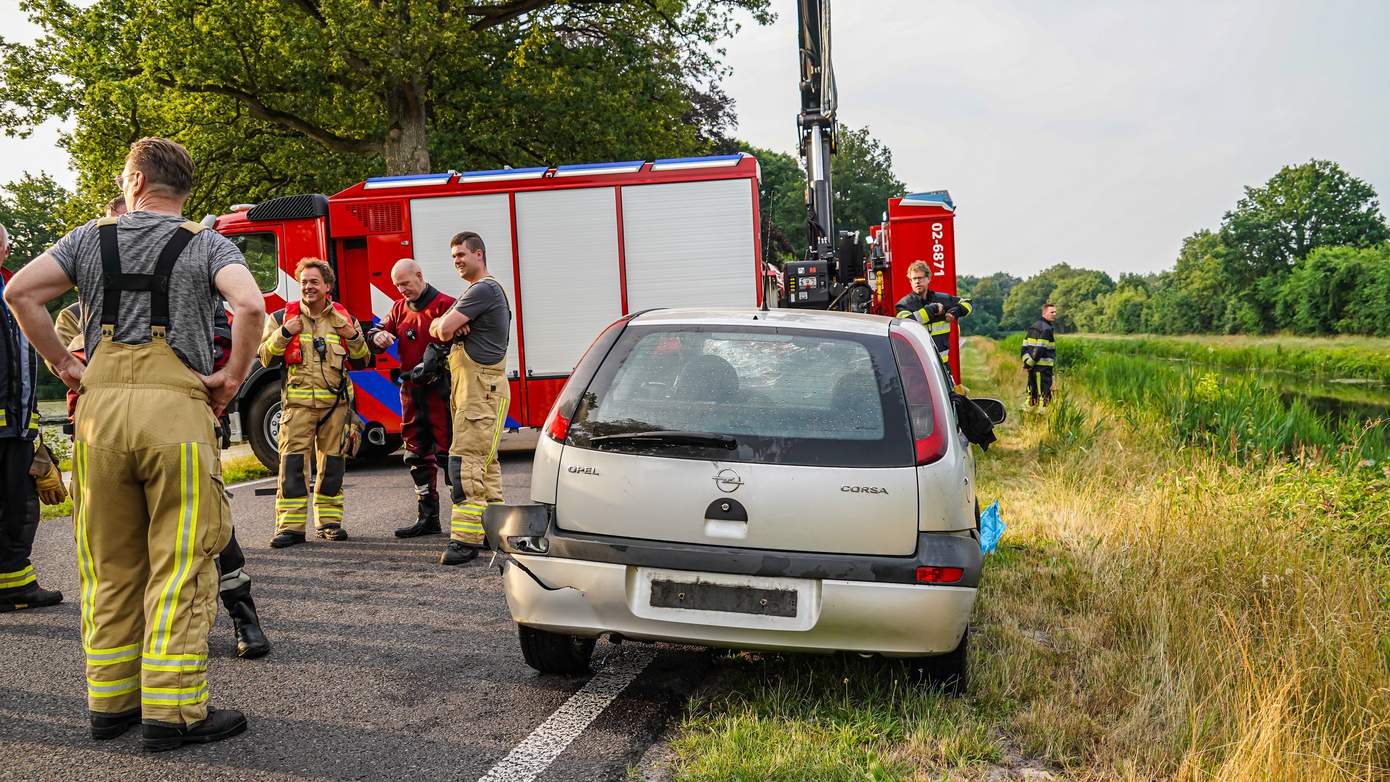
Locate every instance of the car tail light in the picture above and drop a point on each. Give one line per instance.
(558, 427)
(928, 422)
(557, 423)
(931, 574)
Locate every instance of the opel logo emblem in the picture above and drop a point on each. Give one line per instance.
(728, 481)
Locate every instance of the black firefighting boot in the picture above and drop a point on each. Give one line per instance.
(219, 724)
(246, 625)
(427, 522)
(110, 726)
(30, 595)
(458, 553)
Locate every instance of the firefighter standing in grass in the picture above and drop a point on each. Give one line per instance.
(1039, 354)
(317, 341)
(425, 424)
(479, 325)
(149, 509)
(935, 310)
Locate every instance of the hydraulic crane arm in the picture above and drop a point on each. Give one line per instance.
(816, 123)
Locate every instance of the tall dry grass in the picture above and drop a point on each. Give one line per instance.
(1161, 612)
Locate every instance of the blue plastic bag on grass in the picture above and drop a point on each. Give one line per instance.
(991, 528)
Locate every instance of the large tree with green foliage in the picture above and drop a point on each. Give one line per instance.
(1303, 207)
(1076, 292)
(31, 211)
(782, 206)
(1338, 290)
(279, 95)
(987, 295)
(1315, 204)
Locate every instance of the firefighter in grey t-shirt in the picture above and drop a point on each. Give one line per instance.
(479, 392)
(148, 503)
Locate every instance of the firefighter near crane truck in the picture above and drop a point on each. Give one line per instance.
(841, 271)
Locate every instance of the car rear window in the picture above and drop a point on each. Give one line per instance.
(784, 396)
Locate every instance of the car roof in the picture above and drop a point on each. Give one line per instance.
(753, 318)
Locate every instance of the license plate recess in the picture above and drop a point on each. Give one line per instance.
(722, 597)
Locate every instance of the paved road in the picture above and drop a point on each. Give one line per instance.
(386, 666)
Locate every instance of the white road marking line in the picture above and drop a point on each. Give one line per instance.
(256, 482)
(537, 751)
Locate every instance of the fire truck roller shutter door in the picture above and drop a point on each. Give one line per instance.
(713, 222)
(568, 244)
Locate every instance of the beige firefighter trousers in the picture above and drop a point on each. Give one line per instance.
(480, 396)
(298, 444)
(149, 517)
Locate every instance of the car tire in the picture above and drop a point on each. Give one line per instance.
(948, 672)
(261, 421)
(555, 652)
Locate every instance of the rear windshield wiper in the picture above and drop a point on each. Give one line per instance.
(661, 437)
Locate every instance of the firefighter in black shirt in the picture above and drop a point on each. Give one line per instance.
(935, 310)
(1039, 355)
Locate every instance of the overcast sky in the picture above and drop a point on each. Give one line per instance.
(1099, 133)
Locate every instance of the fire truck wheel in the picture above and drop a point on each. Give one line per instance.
(263, 425)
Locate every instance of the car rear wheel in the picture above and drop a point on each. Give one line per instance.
(947, 672)
(555, 652)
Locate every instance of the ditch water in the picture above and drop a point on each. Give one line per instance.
(1364, 401)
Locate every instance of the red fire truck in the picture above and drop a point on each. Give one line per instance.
(575, 246)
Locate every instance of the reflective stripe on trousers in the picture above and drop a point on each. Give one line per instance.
(144, 460)
(18, 578)
(481, 397)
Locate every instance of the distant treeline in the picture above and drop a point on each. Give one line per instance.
(1308, 253)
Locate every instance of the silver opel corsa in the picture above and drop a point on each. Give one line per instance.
(779, 480)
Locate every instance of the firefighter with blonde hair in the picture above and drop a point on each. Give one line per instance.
(317, 341)
(933, 309)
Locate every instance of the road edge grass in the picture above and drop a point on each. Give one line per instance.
(238, 469)
(1155, 611)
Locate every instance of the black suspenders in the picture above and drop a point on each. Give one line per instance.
(115, 282)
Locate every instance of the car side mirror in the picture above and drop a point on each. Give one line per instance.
(992, 408)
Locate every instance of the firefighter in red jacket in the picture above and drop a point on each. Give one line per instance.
(424, 375)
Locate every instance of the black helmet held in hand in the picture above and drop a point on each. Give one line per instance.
(433, 365)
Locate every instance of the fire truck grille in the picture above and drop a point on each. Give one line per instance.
(378, 218)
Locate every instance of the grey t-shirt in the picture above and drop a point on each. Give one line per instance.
(489, 320)
(140, 236)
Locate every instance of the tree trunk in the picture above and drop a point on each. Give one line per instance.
(407, 148)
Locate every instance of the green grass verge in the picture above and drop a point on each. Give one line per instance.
(243, 468)
(1331, 357)
(58, 511)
